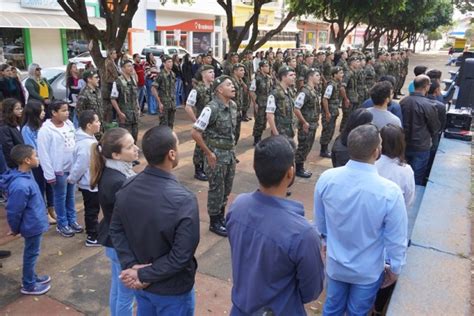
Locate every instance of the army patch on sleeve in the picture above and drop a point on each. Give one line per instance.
(203, 120)
(328, 92)
(271, 106)
(300, 100)
(192, 98)
(114, 93)
(253, 85)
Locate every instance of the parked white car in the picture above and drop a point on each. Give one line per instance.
(85, 58)
(158, 50)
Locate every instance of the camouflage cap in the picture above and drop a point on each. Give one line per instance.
(329, 53)
(288, 59)
(300, 54)
(263, 63)
(352, 58)
(247, 51)
(237, 66)
(335, 70)
(307, 55)
(233, 54)
(311, 71)
(218, 81)
(166, 58)
(284, 70)
(320, 52)
(88, 74)
(205, 67)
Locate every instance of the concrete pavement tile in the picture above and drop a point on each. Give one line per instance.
(216, 261)
(212, 295)
(38, 306)
(9, 289)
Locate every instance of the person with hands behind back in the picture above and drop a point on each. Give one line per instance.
(26, 215)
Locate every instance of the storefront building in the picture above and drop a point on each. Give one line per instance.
(195, 27)
(314, 33)
(40, 31)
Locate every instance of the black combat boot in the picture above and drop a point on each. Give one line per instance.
(199, 173)
(222, 216)
(257, 140)
(5, 254)
(300, 172)
(324, 152)
(216, 226)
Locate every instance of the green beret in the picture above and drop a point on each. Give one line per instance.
(335, 70)
(263, 63)
(205, 67)
(233, 54)
(237, 66)
(88, 74)
(284, 70)
(166, 58)
(218, 81)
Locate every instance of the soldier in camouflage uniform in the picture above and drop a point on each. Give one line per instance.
(260, 88)
(318, 64)
(389, 64)
(403, 71)
(307, 109)
(330, 109)
(124, 98)
(248, 63)
(299, 64)
(396, 72)
(109, 76)
(163, 89)
(342, 62)
(379, 66)
(301, 74)
(278, 63)
(232, 58)
(238, 74)
(369, 74)
(350, 83)
(218, 122)
(280, 104)
(362, 90)
(198, 98)
(327, 65)
(90, 97)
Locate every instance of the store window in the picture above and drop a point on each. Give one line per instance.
(311, 38)
(323, 37)
(217, 44)
(201, 42)
(76, 43)
(157, 38)
(11, 40)
(171, 39)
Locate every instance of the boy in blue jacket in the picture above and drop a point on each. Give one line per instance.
(26, 215)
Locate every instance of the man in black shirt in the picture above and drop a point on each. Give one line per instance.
(155, 231)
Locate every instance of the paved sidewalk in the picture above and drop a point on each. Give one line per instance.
(81, 275)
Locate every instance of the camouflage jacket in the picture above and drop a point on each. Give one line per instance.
(351, 83)
(281, 104)
(165, 85)
(263, 87)
(90, 99)
(228, 68)
(332, 95)
(380, 70)
(219, 121)
(307, 102)
(248, 71)
(239, 92)
(301, 75)
(361, 87)
(277, 65)
(202, 96)
(126, 94)
(369, 76)
(327, 70)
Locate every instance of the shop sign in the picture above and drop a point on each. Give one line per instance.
(41, 4)
(197, 25)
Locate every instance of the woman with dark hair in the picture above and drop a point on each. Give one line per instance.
(10, 85)
(392, 164)
(10, 134)
(197, 64)
(72, 88)
(187, 71)
(340, 153)
(151, 72)
(33, 117)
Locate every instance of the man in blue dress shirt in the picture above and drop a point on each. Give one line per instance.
(363, 219)
(276, 259)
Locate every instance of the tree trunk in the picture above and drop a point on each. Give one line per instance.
(376, 46)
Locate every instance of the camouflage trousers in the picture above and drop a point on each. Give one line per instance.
(260, 122)
(328, 128)
(245, 102)
(305, 143)
(237, 127)
(221, 179)
(346, 112)
(167, 116)
(198, 156)
(132, 128)
(286, 130)
(400, 84)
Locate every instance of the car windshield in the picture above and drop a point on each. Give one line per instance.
(85, 54)
(51, 74)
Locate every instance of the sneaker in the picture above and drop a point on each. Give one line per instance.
(43, 279)
(92, 242)
(65, 231)
(36, 289)
(76, 228)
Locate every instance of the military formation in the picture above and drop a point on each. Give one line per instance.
(288, 92)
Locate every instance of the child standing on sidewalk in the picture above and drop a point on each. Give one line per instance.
(26, 215)
(55, 150)
(80, 173)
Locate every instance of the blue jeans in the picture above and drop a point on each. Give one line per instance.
(44, 186)
(141, 97)
(30, 256)
(179, 92)
(418, 160)
(150, 99)
(352, 299)
(64, 202)
(165, 305)
(121, 297)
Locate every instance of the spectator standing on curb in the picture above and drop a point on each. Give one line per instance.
(26, 215)
(151, 72)
(276, 259)
(139, 68)
(365, 231)
(38, 88)
(156, 236)
(10, 134)
(111, 165)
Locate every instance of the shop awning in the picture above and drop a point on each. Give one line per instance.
(44, 21)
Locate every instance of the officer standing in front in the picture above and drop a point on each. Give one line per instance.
(124, 98)
(330, 109)
(218, 121)
(307, 109)
(164, 91)
(198, 98)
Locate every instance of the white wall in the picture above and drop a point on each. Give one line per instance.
(140, 39)
(46, 47)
